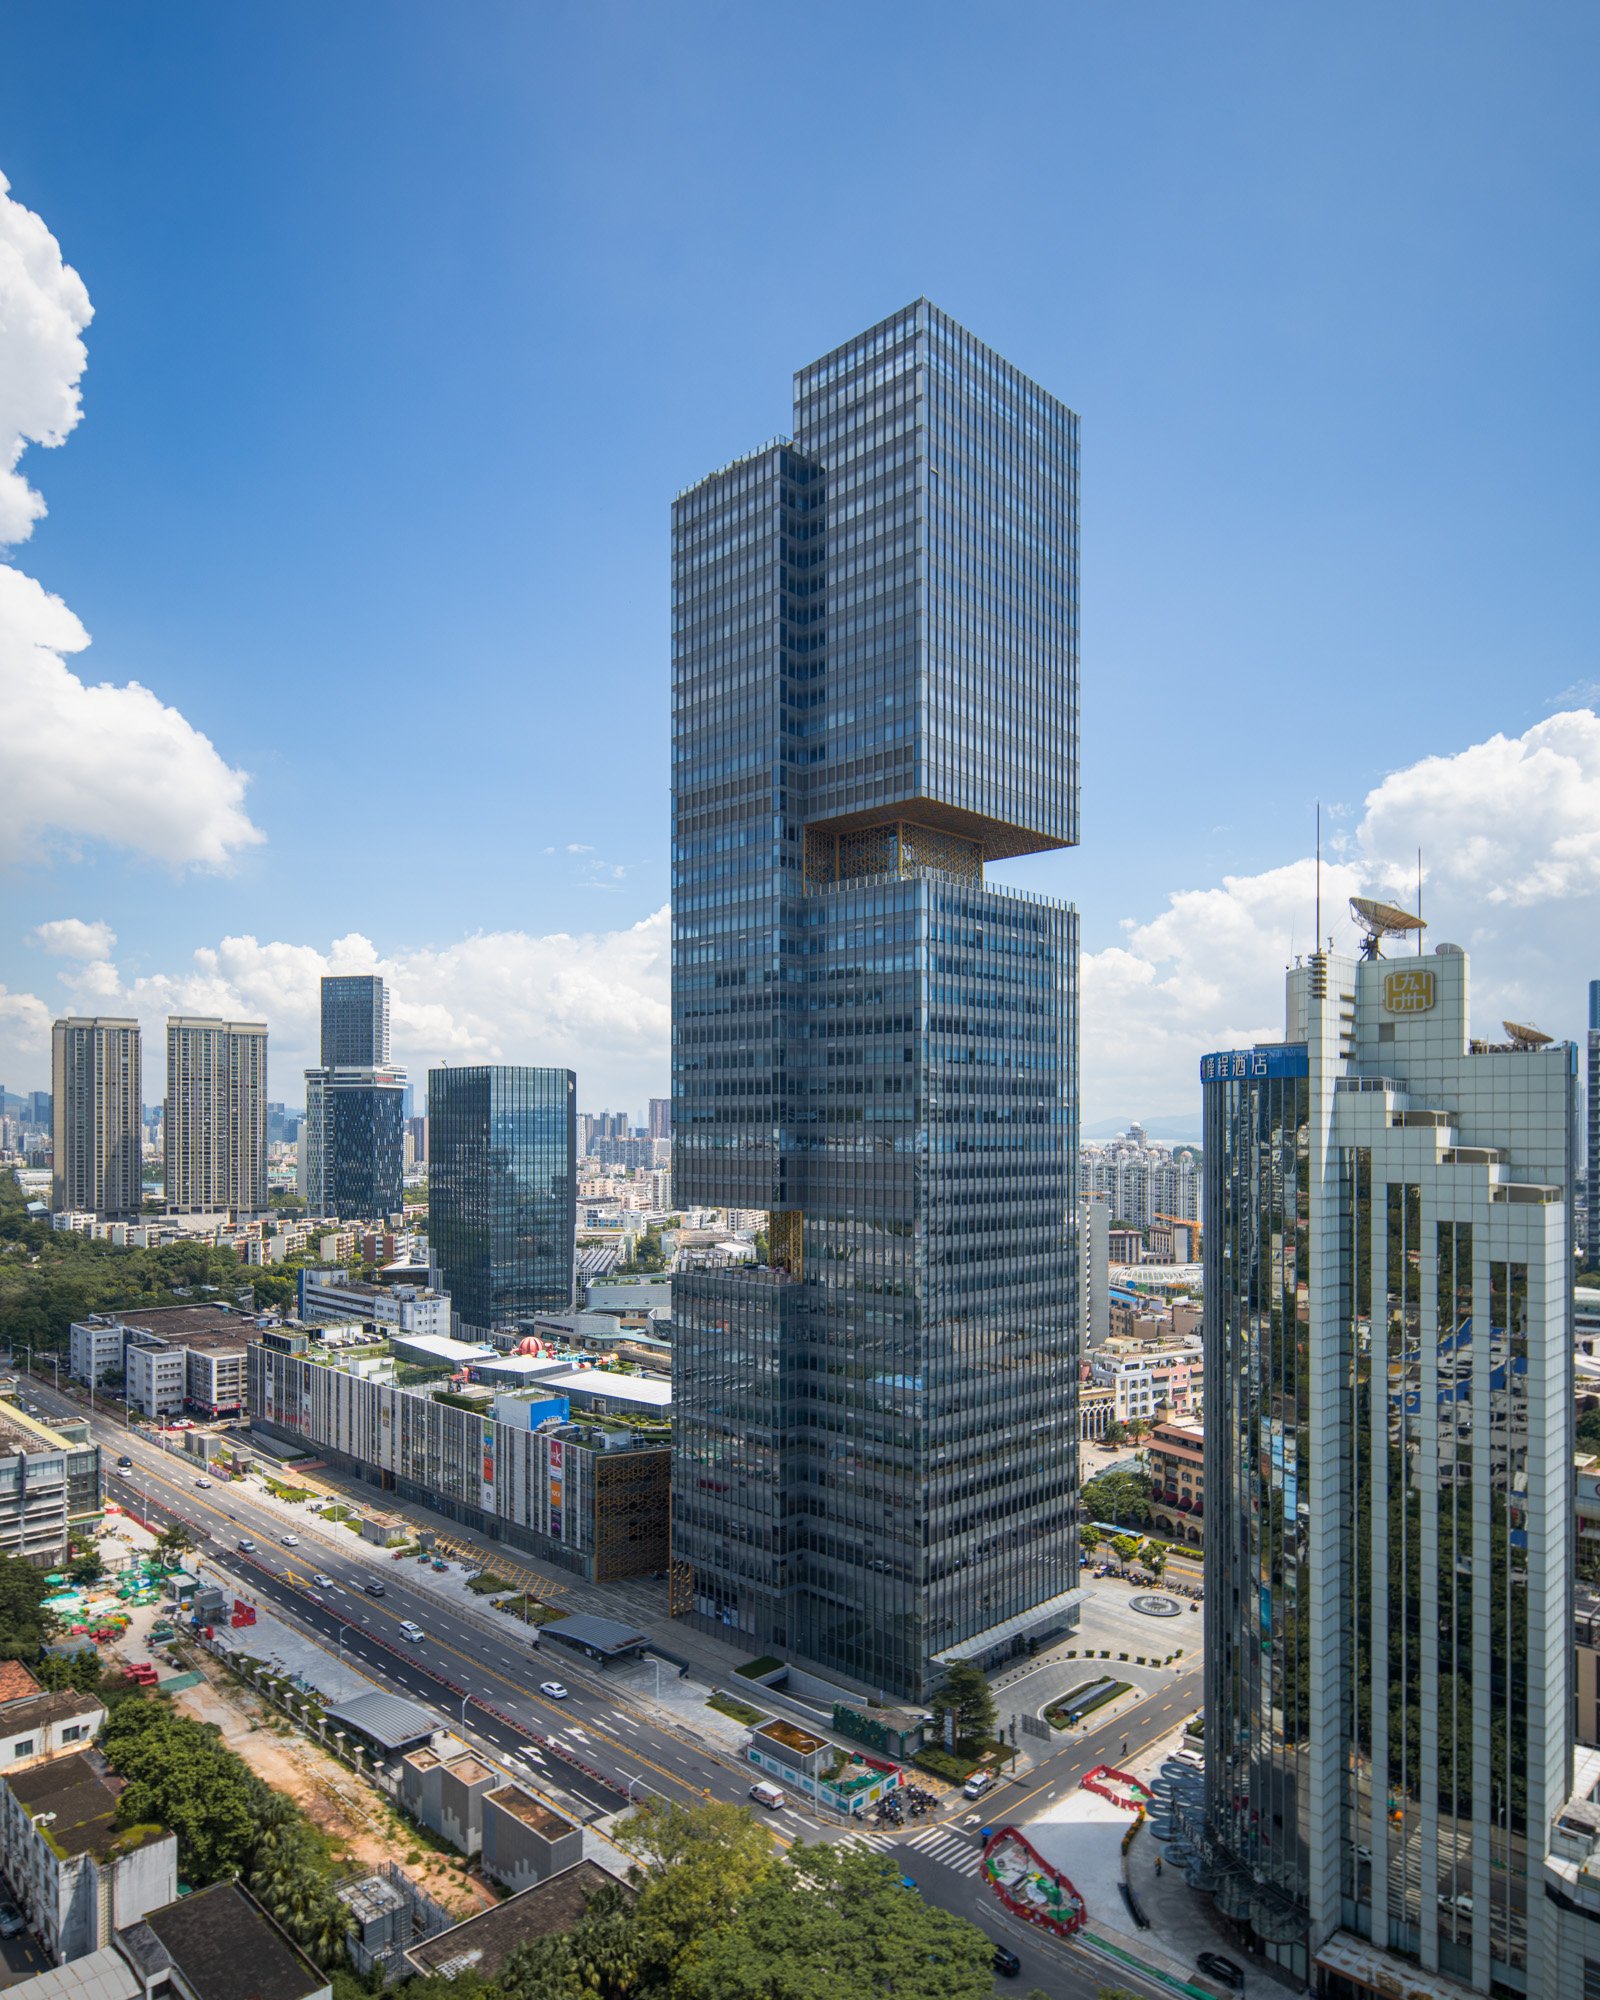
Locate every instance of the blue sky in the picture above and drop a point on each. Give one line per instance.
(409, 321)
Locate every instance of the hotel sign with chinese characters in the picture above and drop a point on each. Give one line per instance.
(1408, 990)
(1255, 1065)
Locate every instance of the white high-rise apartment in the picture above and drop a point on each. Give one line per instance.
(97, 1119)
(1140, 1178)
(1388, 1423)
(216, 1117)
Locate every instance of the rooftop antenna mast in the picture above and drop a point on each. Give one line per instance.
(1421, 927)
(1317, 933)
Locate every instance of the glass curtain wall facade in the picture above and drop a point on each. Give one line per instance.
(1257, 1183)
(1591, 1183)
(355, 1021)
(355, 1105)
(1389, 1495)
(502, 1192)
(875, 694)
(366, 1143)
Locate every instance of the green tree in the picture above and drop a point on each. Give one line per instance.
(25, 1625)
(181, 1775)
(1089, 1538)
(1123, 1497)
(1126, 1547)
(173, 1544)
(1155, 1559)
(966, 1690)
(79, 1671)
(701, 1863)
(831, 1921)
(87, 1568)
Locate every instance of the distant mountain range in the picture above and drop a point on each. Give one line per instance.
(1172, 1128)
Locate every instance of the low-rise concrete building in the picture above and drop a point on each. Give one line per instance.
(49, 1483)
(215, 1944)
(443, 1789)
(78, 1875)
(38, 1726)
(172, 1357)
(409, 1309)
(524, 1841)
(1175, 1458)
(483, 1943)
(157, 1378)
(811, 1764)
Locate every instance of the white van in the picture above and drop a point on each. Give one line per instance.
(772, 1796)
(409, 1629)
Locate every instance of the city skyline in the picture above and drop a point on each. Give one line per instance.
(1297, 328)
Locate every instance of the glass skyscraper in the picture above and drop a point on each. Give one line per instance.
(875, 635)
(354, 1145)
(503, 1192)
(1591, 1185)
(1389, 1489)
(355, 1021)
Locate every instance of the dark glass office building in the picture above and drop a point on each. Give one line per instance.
(366, 1143)
(874, 697)
(355, 1021)
(1591, 1185)
(503, 1192)
(355, 1106)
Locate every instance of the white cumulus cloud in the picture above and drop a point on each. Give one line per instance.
(71, 937)
(84, 761)
(43, 310)
(1510, 837)
(595, 1002)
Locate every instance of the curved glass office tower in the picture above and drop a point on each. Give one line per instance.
(874, 695)
(1389, 1491)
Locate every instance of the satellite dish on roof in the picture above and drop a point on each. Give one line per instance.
(1381, 920)
(1524, 1037)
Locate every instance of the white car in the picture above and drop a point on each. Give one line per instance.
(554, 1689)
(290, 1541)
(409, 1629)
(202, 1482)
(322, 1582)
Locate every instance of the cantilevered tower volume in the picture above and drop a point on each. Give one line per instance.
(875, 694)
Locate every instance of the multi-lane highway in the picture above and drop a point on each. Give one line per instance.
(598, 1747)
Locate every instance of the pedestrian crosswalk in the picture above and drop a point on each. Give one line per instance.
(950, 1848)
(954, 1850)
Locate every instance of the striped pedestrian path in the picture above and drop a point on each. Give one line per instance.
(951, 1849)
(943, 1844)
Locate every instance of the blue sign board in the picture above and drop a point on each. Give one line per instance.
(1253, 1065)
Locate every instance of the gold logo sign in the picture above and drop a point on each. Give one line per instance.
(1408, 992)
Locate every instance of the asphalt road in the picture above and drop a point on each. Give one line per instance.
(595, 1749)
